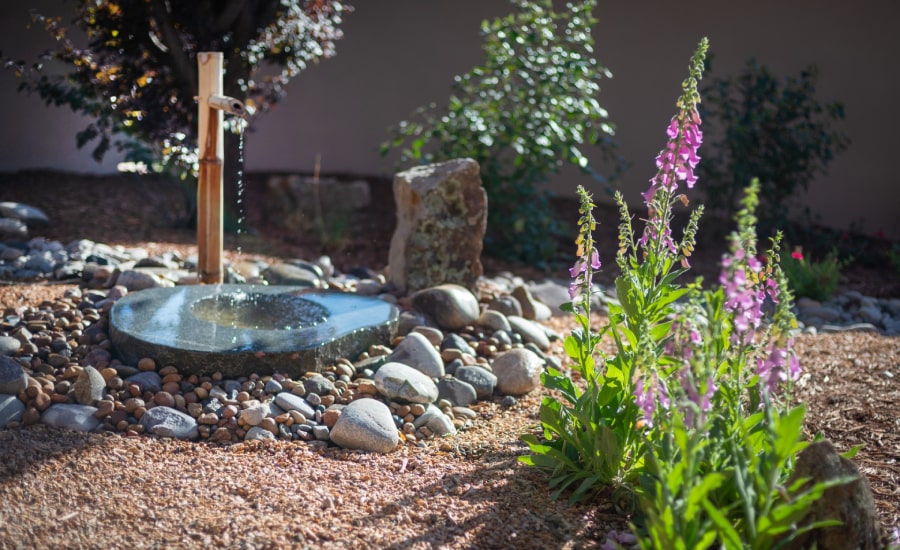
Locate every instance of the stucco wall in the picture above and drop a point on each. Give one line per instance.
(400, 54)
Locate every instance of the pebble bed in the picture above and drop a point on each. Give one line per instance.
(57, 366)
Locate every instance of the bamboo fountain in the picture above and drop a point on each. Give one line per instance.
(211, 107)
(239, 329)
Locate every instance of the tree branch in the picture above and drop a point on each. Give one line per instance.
(227, 16)
(185, 72)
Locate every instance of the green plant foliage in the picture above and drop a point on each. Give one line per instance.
(592, 437)
(688, 415)
(769, 128)
(893, 255)
(813, 279)
(531, 107)
(589, 436)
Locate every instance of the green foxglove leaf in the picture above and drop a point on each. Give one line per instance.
(730, 538)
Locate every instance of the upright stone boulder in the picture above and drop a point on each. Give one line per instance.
(851, 503)
(441, 220)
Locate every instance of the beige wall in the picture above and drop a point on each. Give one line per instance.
(400, 54)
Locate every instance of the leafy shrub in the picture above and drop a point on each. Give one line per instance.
(685, 415)
(767, 128)
(893, 254)
(814, 279)
(531, 106)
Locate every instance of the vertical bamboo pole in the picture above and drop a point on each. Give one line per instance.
(210, 152)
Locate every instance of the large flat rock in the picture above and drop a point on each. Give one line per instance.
(242, 329)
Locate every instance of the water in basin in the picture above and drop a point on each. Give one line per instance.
(260, 311)
(242, 329)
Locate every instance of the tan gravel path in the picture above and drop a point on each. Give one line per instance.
(75, 490)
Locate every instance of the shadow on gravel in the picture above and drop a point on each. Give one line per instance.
(515, 509)
(23, 449)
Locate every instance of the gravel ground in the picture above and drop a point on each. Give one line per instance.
(68, 489)
(76, 490)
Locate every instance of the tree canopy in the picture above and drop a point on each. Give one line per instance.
(136, 77)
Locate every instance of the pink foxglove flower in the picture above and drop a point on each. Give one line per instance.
(743, 298)
(780, 365)
(676, 162)
(647, 396)
(579, 274)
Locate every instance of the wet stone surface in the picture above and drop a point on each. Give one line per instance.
(239, 329)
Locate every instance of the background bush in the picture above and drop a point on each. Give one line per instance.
(529, 109)
(770, 128)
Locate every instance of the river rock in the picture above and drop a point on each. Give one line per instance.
(419, 353)
(11, 409)
(146, 381)
(851, 327)
(455, 341)
(441, 425)
(479, 378)
(9, 345)
(97, 357)
(287, 274)
(253, 415)
(507, 305)
(456, 391)
(138, 279)
(434, 335)
(318, 385)
(531, 309)
(29, 215)
(10, 253)
(40, 262)
(891, 325)
(893, 306)
(870, 314)
(73, 417)
(851, 503)
(552, 293)
(89, 386)
(435, 420)
(451, 306)
(493, 320)
(257, 433)
(529, 331)
(409, 320)
(518, 371)
(290, 402)
(402, 382)
(441, 220)
(273, 386)
(823, 313)
(366, 424)
(169, 422)
(14, 229)
(12, 376)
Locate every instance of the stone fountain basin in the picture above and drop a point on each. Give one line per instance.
(242, 329)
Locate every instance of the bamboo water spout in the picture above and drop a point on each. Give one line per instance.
(210, 151)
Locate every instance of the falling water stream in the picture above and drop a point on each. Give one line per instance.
(241, 212)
